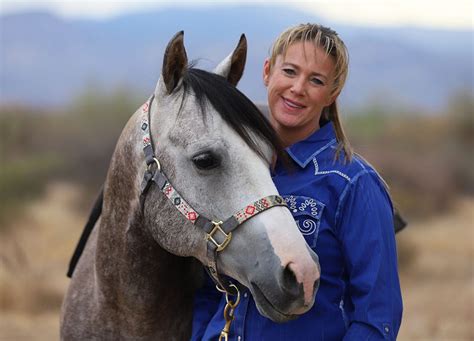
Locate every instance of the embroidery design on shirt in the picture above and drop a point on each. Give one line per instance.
(307, 213)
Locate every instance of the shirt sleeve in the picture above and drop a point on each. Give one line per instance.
(206, 304)
(373, 302)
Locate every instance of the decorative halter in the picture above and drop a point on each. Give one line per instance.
(218, 233)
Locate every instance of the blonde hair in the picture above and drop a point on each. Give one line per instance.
(328, 39)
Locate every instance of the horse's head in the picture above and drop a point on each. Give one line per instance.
(215, 148)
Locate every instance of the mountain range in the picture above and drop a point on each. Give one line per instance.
(46, 60)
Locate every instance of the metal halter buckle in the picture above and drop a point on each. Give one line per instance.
(227, 237)
(158, 164)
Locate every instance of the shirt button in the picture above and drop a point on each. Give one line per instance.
(245, 295)
(239, 338)
(387, 329)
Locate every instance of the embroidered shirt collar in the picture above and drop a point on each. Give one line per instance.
(304, 151)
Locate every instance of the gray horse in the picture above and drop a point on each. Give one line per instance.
(142, 263)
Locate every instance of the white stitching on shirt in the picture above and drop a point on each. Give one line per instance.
(310, 202)
(307, 227)
(343, 313)
(317, 172)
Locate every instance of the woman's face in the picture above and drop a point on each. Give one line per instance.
(299, 86)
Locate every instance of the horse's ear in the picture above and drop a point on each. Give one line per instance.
(175, 62)
(232, 67)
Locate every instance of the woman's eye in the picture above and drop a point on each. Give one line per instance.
(288, 71)
(317, 81)
(206, 161)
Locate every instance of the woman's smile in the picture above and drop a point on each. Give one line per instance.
(292, 105)
(300, 86)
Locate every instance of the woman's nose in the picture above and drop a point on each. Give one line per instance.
(297, 86)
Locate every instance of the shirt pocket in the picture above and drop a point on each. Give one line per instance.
(307, 213)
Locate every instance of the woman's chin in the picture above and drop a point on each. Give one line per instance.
(286, 123)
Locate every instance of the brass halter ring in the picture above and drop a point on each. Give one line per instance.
(228, 312)
(158, 164)
(227, 294)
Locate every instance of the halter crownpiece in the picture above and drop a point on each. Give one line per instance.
(218, 233)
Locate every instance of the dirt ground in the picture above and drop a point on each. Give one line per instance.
(438, 281)
(437, 272)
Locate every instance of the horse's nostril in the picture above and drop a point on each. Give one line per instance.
(290, 283)
(288, 275)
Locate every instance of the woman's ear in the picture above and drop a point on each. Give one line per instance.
(266, 71)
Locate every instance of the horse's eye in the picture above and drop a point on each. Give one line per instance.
(206, 161)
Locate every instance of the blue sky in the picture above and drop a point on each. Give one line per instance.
(453, 14)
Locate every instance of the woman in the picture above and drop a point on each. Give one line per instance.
(338, 201)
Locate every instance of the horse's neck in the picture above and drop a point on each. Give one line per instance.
(144, 289)
(137, 279)
(149, 289)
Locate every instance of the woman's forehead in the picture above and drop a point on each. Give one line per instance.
(307, 54)
(306, 49)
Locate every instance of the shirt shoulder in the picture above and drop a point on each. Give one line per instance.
(344, 175)
(364, 185)
(329, 162)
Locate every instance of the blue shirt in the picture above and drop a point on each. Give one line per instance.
(345, 215)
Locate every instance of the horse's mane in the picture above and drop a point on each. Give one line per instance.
(235, 108)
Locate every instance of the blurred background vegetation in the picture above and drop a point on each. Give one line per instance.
(425, 158)
(72, 144)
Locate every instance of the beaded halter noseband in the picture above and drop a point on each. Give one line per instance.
(218, 233)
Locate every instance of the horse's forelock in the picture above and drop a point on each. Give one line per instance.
(234, 107)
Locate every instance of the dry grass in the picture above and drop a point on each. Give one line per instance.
(438, 285)
(34, 253)
(436, 273)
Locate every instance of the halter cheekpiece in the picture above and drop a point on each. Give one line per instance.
(218, 233)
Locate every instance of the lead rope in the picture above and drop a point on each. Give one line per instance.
(228, 311)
